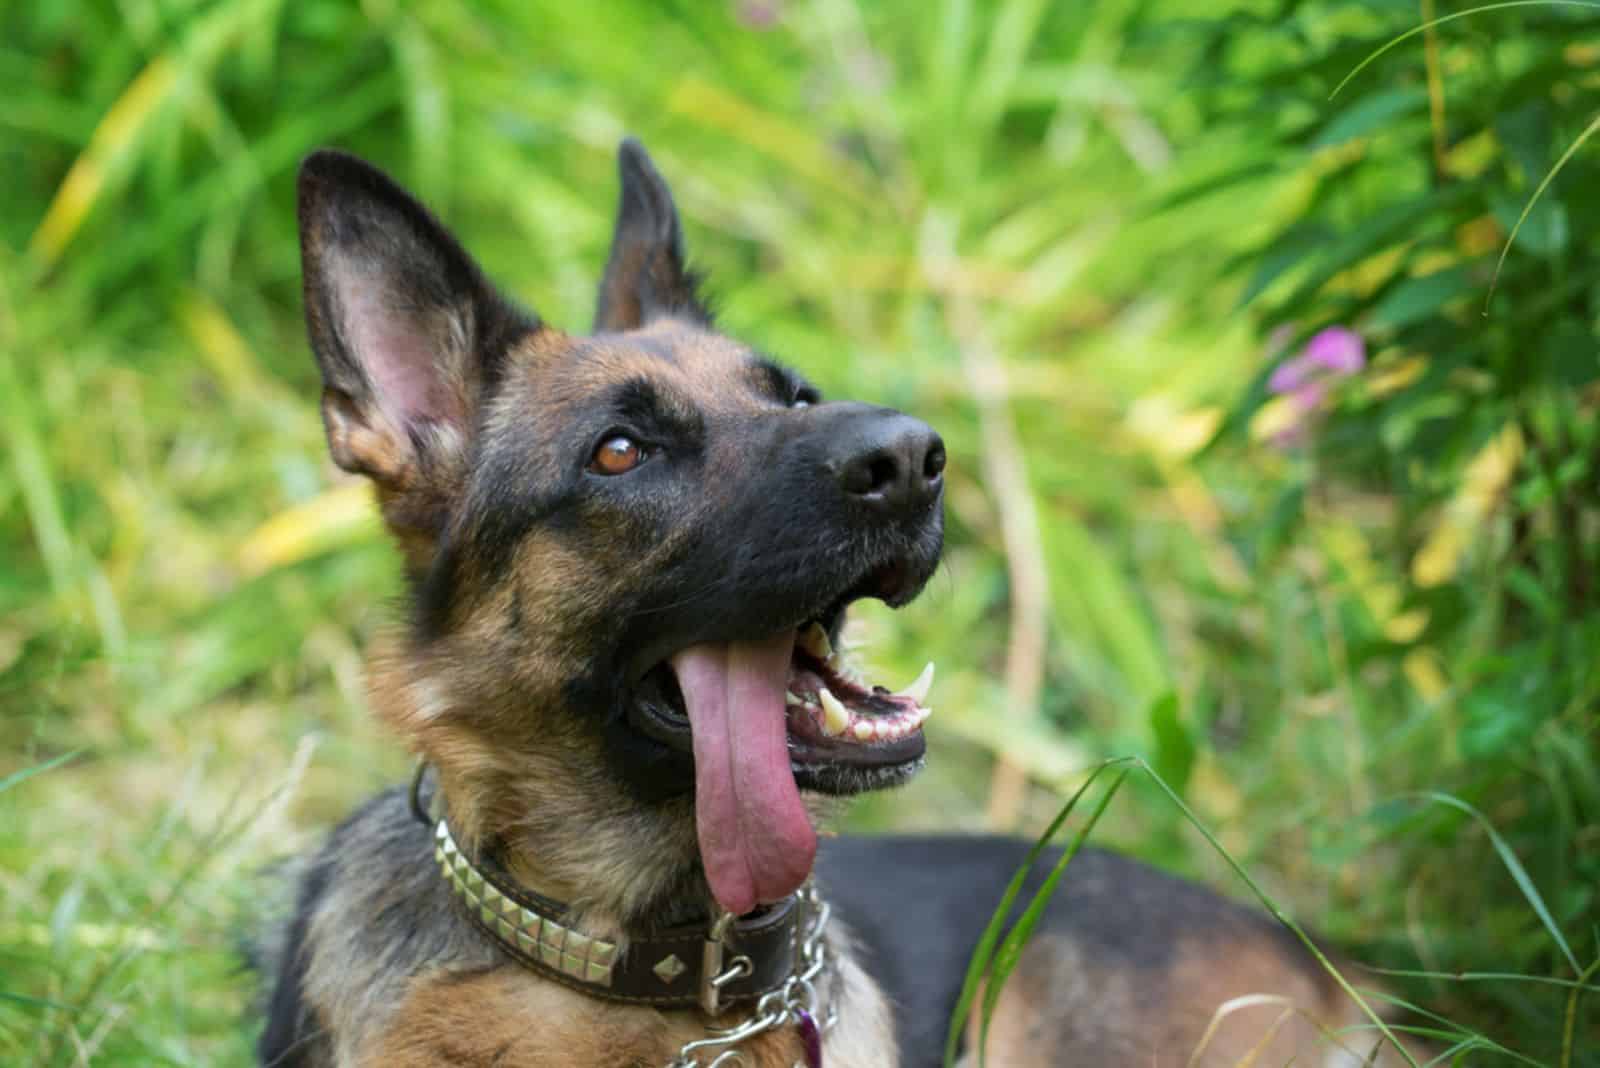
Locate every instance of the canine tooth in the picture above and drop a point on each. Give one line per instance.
(835, 717)
(918, 690)
(791, 699)
(864, 730)
(814, 640)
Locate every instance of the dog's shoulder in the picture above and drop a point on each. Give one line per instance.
(370, 912)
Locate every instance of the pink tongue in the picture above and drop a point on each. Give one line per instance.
(755, 838)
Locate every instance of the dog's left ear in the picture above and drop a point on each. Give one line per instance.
(646, 276)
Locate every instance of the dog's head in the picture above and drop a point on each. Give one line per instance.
(629, 553)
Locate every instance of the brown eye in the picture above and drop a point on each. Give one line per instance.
(616, 456)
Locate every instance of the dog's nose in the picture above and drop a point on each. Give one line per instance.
(890, 461)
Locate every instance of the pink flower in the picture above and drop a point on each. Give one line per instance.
(1305, 380)
(1335, 352)
(759, 14)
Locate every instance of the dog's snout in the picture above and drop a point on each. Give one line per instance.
(889, 461)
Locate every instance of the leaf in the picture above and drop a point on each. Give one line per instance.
(1368, 114)
(1175, 748)
(1295, 246)
(1185, 195)
(1526, 134)
(1094, 602)
(1541, 228)
(1419, 298)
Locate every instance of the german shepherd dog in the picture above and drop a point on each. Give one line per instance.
(629, 555)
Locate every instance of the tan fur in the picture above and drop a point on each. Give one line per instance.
(1243, 1004)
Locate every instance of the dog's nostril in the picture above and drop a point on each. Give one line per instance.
(873, 473)
(933, 463)
(883, 472)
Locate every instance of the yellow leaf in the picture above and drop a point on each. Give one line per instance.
(1383, 381)
(1425, 671)
(1437, 560)
(117, 132)
(1406, 626)
(340, 515)
(1483, 483)
(224, 348)
(1166, 428)
(785, 141)
(1277, 416)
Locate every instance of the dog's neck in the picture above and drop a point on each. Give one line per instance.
(521, 780)
(587, 857)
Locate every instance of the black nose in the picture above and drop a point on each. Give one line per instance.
(889, 461)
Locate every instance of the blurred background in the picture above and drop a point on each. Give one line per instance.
(1264, 467)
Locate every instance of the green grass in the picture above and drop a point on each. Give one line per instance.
(924, 206)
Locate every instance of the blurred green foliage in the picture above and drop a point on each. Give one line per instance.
(1077, 238)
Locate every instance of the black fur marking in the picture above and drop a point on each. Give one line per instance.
(782, 383)
(668, 418)
(292, 1037)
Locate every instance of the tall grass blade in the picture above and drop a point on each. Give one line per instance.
(1272, 906)
(17, 778)
(1518, 874)
(1441, 20)
(1569, 1024)
(1010, 951)
(1577, 143)
(983, 953)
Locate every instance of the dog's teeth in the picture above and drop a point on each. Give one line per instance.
(922, 715)
(814, 640)
(918, 690)
(835, 717)
(791, 699)
(864, 730)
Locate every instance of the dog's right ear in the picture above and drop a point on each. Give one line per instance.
(408, 334)
(647, 274)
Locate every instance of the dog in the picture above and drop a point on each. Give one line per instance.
(628, 556)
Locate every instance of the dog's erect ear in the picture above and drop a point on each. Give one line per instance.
(406, 330)
(646, 275)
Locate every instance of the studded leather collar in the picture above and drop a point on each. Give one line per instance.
(709, 965)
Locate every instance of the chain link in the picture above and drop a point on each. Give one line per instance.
(789, 1003)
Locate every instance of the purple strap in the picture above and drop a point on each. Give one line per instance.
(811, 1037)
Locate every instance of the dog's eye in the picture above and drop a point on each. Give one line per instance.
(617, 455)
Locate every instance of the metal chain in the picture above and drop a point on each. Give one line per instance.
(792, 1002)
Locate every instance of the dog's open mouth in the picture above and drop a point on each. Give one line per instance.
(845, 734)
(764, 719)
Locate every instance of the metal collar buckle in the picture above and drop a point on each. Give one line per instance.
(800, 1001)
